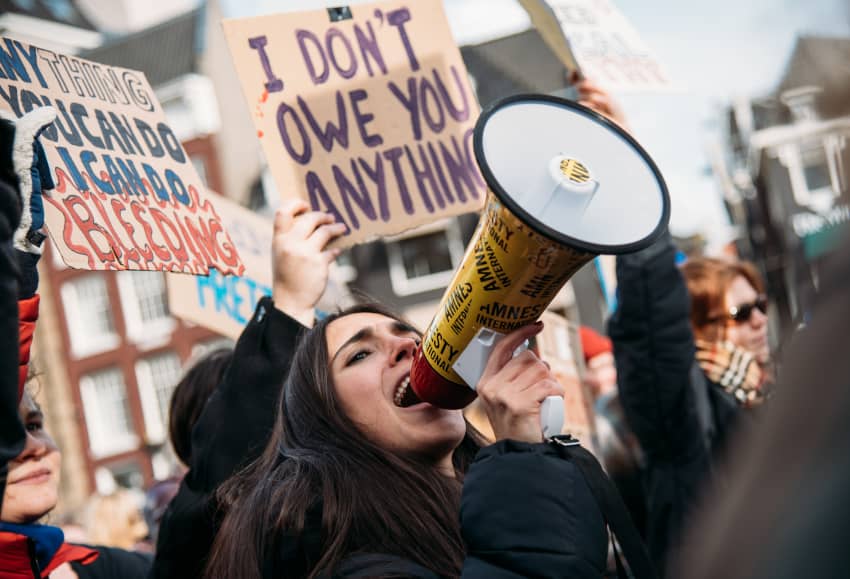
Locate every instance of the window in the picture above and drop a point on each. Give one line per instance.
(424, 259)
(107, 413)
(157, 376)
(817, 176)
(145, 306)
(89, 315)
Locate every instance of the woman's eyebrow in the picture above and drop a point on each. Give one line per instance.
(403, 328)
(363, 334)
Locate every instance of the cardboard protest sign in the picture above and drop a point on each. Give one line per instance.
(222, 303)
(594, 37)
(369, 118)
(127, 195)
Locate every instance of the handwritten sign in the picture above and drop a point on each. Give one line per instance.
(369, 118)
(127, 195)
(222, 303)
(595, 37)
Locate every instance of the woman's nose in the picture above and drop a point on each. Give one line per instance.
(403, 348)
(34, 447)
(758, 318)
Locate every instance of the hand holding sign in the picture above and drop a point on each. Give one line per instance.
(595, 97)
(301, 259)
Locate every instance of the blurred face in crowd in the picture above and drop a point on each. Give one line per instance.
(32, 484)
(750, 331)
(601, 374)
(371, 355)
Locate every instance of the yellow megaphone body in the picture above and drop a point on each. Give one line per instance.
(566, 185)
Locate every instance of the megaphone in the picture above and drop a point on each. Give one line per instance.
(566, 184)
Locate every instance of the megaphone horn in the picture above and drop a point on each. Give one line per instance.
(566, 184)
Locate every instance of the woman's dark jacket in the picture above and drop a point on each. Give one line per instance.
(680, 418)
(231, 432)
(525, 510)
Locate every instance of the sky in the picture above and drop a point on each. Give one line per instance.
(714, 52)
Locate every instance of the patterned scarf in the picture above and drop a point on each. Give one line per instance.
(735, 369)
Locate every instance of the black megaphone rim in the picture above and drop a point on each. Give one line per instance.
(540, 227)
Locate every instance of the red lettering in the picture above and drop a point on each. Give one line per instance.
(119, 208)
(161, 251)
(174, 242)
(84, 222)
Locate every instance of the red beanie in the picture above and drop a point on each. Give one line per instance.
(593, 343)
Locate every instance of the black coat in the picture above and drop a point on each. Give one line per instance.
(679, 417)
(525, 510)
(231, 432)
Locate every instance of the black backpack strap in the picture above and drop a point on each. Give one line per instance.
(611, 505)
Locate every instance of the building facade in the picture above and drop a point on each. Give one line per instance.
(787, 170)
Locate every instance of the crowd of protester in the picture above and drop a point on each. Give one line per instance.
(307, 455)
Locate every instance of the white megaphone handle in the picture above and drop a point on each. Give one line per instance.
(552, 416)
(470, 366)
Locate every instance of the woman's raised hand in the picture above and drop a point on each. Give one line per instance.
(512, 389)
(300, 258)
(597, 98)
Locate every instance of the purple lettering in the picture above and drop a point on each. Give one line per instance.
(319, 198)
(303, 36)
(369, 46)
(423, 176)
(332, 34)
(458, 171)
(410, 103)
(425, 89)
(458, 114)
(441, 177)
(349, 193)
(377, 175)
(306, 150)
(398, 18)
(273, 83)
(331, 132)
(393, 155)
(370, 140)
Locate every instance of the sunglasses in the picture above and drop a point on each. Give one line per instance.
(741, 314)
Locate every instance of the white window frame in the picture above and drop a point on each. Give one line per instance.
(151, 333)
(83, 342)
(405, 286)
(104, 444)
(156, 417)
(793, 157)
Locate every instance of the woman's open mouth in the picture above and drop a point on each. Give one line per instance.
(404, 394)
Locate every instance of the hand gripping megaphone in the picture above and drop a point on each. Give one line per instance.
(566, 184)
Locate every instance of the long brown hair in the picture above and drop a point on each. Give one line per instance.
(708, 279)
(322, 491)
